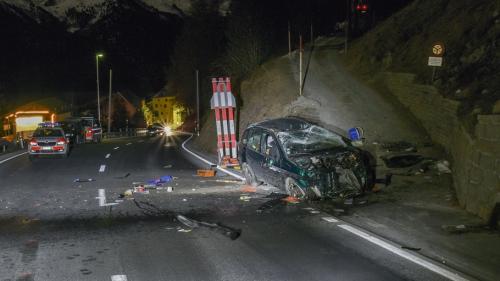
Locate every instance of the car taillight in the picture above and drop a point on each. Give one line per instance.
(61, 141)
(33, 142)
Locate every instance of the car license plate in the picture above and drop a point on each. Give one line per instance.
(46, 148)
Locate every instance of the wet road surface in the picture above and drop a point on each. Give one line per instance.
(54, 229)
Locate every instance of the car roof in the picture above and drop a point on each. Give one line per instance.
(283, 124)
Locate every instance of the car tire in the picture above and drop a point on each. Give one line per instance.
(293, 189)
(250, 178)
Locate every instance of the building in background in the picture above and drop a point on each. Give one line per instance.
(163, 110)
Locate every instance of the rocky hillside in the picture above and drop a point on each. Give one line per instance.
(470, 31)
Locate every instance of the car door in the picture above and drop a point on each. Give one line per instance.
(271, 166)
(254, 156)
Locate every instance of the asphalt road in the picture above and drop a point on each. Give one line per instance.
(53, 228)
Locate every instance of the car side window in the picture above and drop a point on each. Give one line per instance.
(254, 140)
(270, 147)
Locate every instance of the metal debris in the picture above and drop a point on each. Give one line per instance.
(83, 180)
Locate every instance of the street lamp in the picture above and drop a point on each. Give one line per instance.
(97, 56)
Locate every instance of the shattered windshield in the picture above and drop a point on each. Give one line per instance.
(309, 140)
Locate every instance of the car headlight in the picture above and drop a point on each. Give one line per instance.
(167, 130)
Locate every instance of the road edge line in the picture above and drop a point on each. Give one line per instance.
(12, 157)
(183, 145)
(417, 259)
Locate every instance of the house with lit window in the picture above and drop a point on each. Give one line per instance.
(163, 110)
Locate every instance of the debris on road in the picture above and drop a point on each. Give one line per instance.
(248, 189)
(443, 167)
(245, 198)
(227, 231)
(462, 228)
(161, 180)
(206, 173)
(410, 248)
(399, 146)
(291, 200)
(83, 180)
(124, 176)
(228, 181)
(276, 199)
(402, 161)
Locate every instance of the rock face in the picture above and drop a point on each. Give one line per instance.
(476, 156)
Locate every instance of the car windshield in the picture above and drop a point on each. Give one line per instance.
(309, 140)
(48, 132)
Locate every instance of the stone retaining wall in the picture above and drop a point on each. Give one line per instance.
(475, 158)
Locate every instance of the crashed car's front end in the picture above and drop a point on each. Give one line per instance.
(327, 166)
(333, 174)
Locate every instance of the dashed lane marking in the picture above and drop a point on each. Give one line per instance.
(404, 254)
(129, 143)
(107, 155)
(102, 168)
(118, 277)
(116, 148)
(330, 219)
(102, 199)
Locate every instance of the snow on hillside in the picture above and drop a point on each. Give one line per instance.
(79, 13)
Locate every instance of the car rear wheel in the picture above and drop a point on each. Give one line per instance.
(293, 189)
(250, 178)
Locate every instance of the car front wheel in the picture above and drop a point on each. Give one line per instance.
(293, 189)
(250, 178)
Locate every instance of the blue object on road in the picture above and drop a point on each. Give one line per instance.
(355, 134)
(161, 180)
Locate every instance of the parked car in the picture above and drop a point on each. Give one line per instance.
(73, 128)
(48, 139)
(304, 159)
(155, 130)
(92, 129)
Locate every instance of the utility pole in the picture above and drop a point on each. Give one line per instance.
(197, 103)
(289, 40)
(97, 81)
(347, 25)
(312, 34)
(300, 64)
(109, 99)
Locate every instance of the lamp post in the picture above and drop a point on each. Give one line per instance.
(97, 56)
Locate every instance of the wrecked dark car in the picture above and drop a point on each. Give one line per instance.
(304, 159)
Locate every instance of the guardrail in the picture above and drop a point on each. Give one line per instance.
(136, 132)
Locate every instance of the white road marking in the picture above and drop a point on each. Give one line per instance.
(129, 143)
(330, 219)
(404, 254)
(314, 212)
(118, 277)
(107, 155)
(210, 163)
(116, 148)
(12, 157)
(102, 168)
(102, 199)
